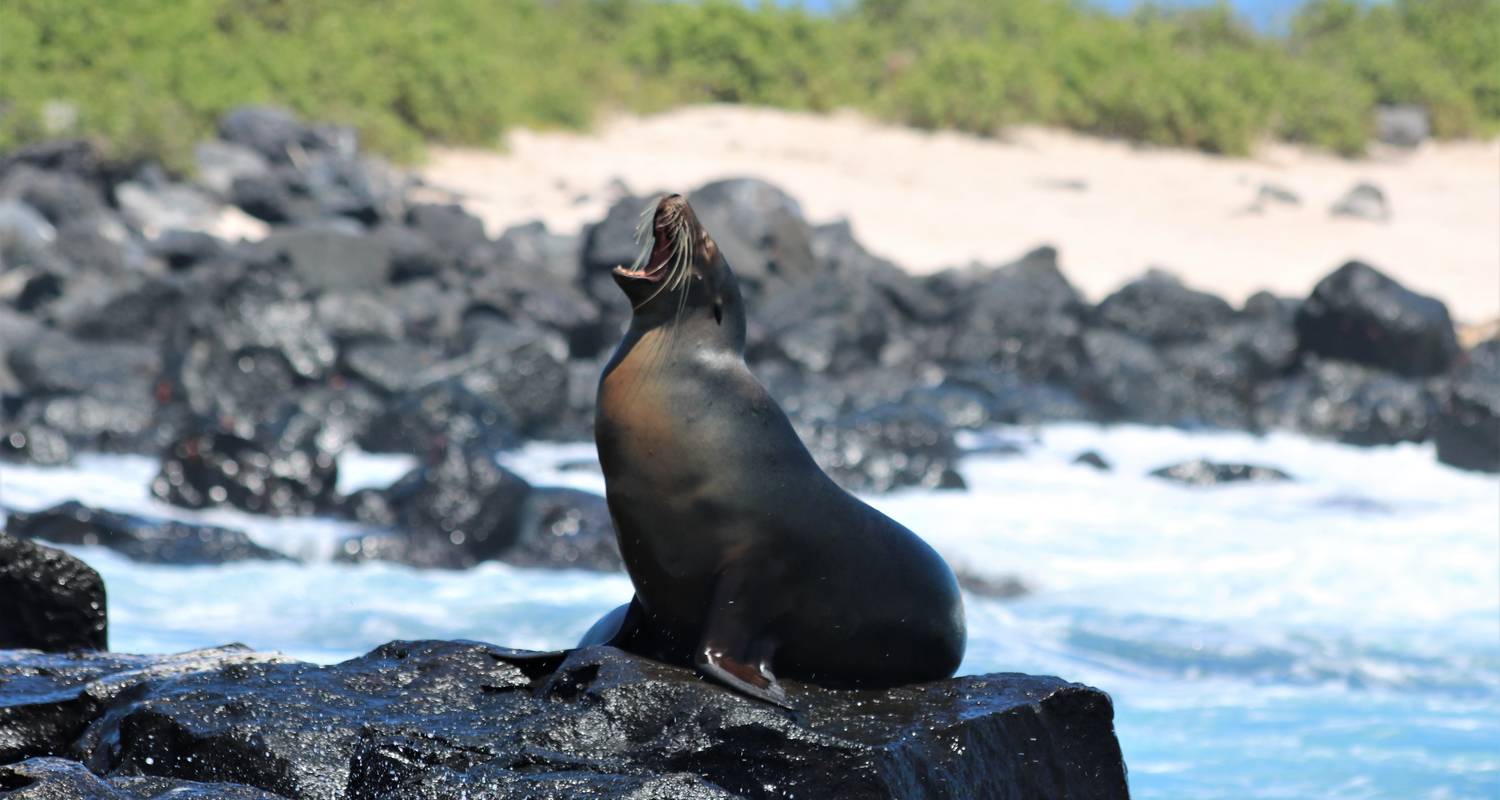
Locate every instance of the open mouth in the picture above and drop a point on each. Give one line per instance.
(652, 271)
(665, 218)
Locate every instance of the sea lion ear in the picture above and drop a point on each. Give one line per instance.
(719, 310)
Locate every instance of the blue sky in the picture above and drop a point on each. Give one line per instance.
(1266, 15)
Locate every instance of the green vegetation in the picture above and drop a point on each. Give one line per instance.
(152, 76)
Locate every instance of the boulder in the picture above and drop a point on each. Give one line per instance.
(34, 444)
(885, 448)
(610, 243)
(140, 538)
(430, 720)
(60, 197)
(48, 701)
(1202, 472)
(1092, 458)
(520, 369)
(565, 529)
(23, 227)
(1365, 201)
(1023, 318)
(1129, 380)
(394, 368)
(220, 163)
(1350, 403)
(53, 602)
(280, 195)
(759, 228)
(1402, 125)
(453, 232)
(837, 251)
(78, 157)
(1013, 400)
(458, 509)
(106, 421)
(233, 390)
(275, 134)
(330, 260)
(355, 317)
(1359, 314)
(1468, 426)
(153, 207)
(1159, 309)
(186, 249)
(130, 308)
(58, 364)
(438, 416)
(206, 470)
(822, 324)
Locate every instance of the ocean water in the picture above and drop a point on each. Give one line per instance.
(1336, 637)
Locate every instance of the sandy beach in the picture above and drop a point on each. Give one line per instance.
(933, 200)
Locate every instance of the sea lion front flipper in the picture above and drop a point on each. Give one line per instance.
(733, 655)
(758, 682)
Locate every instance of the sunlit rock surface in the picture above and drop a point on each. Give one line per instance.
(437, 719)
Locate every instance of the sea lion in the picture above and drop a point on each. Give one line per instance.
(748, 561)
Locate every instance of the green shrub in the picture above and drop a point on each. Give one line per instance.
(152, 77)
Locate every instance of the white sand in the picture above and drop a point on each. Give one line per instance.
(928, 201)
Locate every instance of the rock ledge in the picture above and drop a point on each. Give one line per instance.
(437, 719)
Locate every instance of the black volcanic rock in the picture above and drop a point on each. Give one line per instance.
(274, 133)
(520, 369)
(1468, 427)
(436, 417)
(457, 510)
(48, 701)
(57, 364)
(886, 447)
(1161, 310)
(137, 537)
(430, 720)
(1092, 458)
(53, 601)
(565, 529)
(759, 228)
(34, 444)
(1023, 318)
(1359, 314)
(837, 251)
(204, 470)
(611, 243)
(453, 231)
(1011, 399)
(822, 324)
(330, 260)
(1202, 472)
(1353, 404)
(60, 779)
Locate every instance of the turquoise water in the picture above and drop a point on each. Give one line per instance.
(1336, 637)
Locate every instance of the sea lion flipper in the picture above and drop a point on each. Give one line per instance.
(732, 654)
(756, 682)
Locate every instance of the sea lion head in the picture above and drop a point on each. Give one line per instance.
(681, 274)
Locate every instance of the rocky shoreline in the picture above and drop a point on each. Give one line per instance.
(436, 719)
(365, 319)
